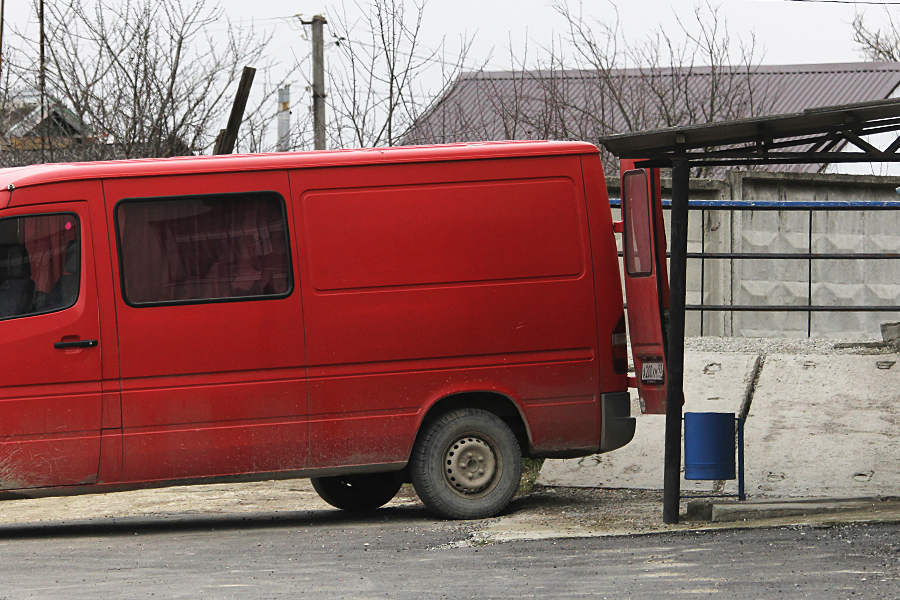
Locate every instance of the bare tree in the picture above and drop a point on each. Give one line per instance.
(142, 77)
(593, 81)
(695, 74)
(382, 77)
(877, 44)
(15, 99)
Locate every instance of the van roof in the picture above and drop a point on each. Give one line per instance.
(56, 172)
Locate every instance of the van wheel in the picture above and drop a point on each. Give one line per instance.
(357, 493)
(466, 465)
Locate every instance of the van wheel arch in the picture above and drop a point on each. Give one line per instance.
(495, 402)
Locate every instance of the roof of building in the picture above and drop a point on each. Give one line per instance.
(24, 119)
(584, 104)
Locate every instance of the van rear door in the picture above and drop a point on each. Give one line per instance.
(646, 282)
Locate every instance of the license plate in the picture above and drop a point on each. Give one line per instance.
(652, 371)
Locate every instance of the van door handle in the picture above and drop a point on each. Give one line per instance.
(76, 344)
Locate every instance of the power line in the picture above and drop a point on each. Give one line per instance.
(432, 59)
(869, 2)
(290, 19)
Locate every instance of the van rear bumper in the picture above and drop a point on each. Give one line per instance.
(617, 424)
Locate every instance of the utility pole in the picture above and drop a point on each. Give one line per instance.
(43, 82)
(318, 77)
(2, 20)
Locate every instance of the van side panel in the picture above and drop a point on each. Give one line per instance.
(422, 281)
(111, 450)
(528, 222)
(608, 278)
(208, 387)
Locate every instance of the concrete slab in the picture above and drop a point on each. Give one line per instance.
(825, 425)
(725, 512)
(823, 422)
(713, 382)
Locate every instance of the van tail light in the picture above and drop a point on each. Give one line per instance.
(620, 347)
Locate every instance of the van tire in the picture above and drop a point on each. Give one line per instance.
(357, 493)
(466, 465)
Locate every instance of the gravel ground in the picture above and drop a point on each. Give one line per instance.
(543, 513)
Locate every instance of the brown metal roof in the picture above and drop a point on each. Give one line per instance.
(774, 138)
(578, 104)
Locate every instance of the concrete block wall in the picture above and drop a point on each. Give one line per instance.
(831, 282)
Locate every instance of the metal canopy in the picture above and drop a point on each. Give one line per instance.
(815, 135)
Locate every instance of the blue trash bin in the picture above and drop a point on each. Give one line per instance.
(709, 446)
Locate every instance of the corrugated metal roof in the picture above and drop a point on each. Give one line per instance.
(582, 104)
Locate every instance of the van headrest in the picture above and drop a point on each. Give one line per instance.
(14, 262)
(71, 261)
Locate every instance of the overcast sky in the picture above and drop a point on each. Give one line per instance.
(788, 31)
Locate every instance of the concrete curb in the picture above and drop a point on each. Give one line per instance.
(728, 511)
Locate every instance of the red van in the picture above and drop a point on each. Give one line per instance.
(364, 318)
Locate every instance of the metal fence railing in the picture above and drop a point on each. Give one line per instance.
(810, 207)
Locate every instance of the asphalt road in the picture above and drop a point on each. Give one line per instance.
(403, 553)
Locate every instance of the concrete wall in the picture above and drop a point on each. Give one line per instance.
(790, 281)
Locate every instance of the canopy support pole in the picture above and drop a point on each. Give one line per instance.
(675, 356)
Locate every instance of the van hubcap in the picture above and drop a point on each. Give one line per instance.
(470, 465)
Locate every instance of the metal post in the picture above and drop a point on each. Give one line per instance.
(675, 359)
(741, 492)
(43, 84)
(228, 136)
(318, 88)
(809, 278)
(702, 265)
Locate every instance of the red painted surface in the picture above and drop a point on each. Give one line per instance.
(647, 293)
(607, 287)
(210, 388)
(50, 400)
(419, 274)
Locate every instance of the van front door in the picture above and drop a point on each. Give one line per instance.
(646, 282)
(50, 401)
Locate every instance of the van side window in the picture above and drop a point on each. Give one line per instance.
(39, 264)
(190, 249)
(636, 214)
